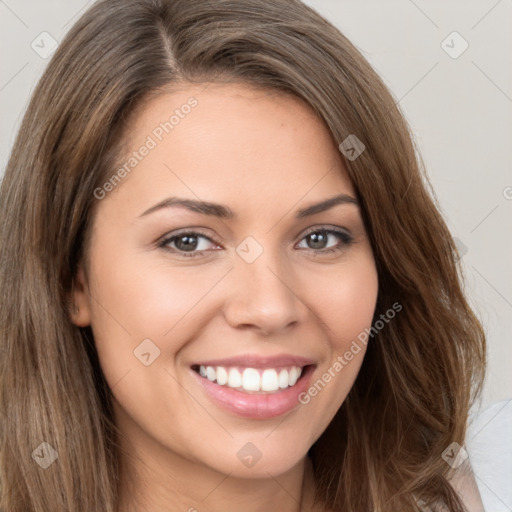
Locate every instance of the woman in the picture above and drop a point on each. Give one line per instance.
(225, 285)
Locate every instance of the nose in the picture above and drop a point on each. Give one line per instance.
(263, 296)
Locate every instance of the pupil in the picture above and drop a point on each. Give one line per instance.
(189, 245)
(318, 239)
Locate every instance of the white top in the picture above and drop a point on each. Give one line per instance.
(489, 447)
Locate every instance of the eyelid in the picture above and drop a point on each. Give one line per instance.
(346, 240)
(168, 237)
(200, 231)
(324, 227)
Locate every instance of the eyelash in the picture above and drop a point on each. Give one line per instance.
(346, 241)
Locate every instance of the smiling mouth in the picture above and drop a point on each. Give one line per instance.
(252, 380)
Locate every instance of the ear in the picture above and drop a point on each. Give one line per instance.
(80, 307)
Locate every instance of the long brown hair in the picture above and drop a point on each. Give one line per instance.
(382, 451)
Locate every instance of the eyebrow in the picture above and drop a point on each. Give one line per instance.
(224, 212)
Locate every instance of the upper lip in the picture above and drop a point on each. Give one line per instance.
(258, 361)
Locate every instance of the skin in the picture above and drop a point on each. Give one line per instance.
(265, 155)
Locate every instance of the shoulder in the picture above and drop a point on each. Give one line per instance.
(464, 482)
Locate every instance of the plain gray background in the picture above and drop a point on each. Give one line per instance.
(458, 103)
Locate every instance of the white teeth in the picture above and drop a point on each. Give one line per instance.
(269, 381)
(283, 379)
(235, 378)
(210, 373)
(222, 376)
(293, 376)
(251, 379)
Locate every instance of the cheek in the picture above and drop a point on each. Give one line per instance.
(345, 300)
(135, 301)
(345, 305)
(147, 299)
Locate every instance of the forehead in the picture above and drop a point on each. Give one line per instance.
(229, 143)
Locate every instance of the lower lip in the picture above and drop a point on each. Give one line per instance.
(256, 406)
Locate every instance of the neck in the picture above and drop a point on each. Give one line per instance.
(193, 488)
(155, 478)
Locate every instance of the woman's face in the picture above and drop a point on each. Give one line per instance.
(251, 298)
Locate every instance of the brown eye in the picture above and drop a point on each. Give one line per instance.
(319, 239)
(190, 242)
